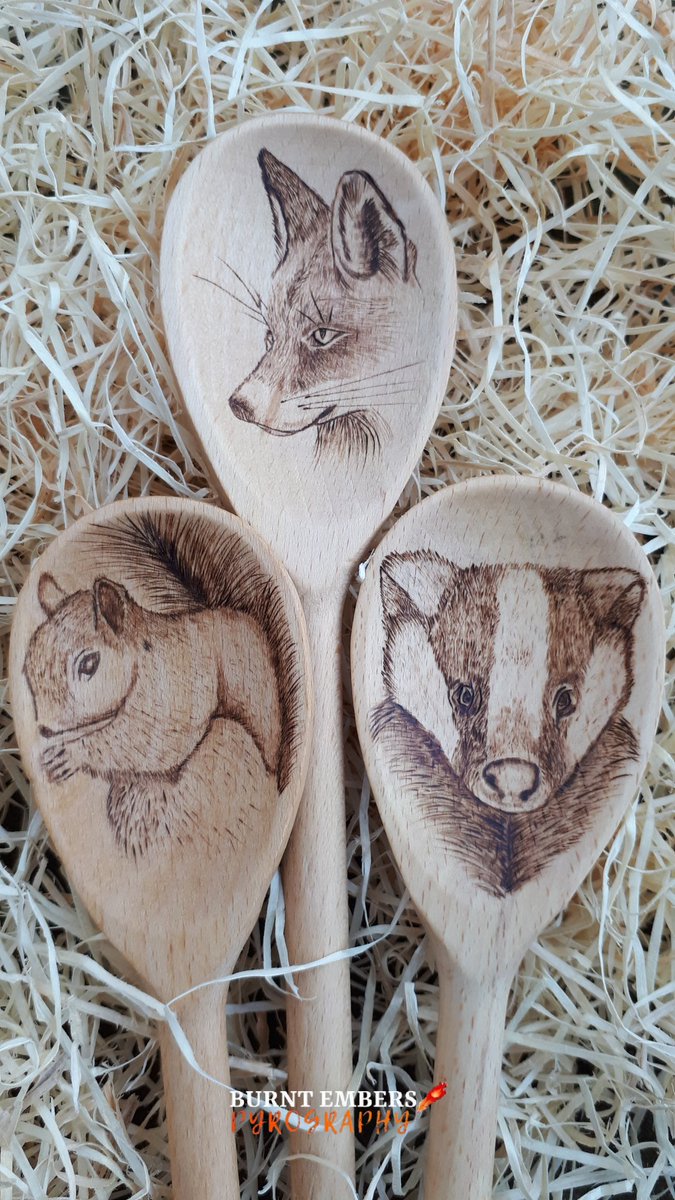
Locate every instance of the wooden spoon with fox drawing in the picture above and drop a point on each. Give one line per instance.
(507, 663)
(309, 296)
(159, 678)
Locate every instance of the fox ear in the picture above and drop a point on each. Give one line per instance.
(368, 237)
(50, 594)
(297, 211)
(615, 595)
(412, 585)
(111, 601)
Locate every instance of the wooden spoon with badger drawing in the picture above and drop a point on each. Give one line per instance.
(309, 296)
(162, 697)
(507, 664)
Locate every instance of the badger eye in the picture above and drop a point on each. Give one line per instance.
(323, 336)
(87, 664)
(564, 703)
(269, 340)
(467, 698)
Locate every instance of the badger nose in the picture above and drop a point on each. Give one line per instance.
(240, 408)
(512, 779)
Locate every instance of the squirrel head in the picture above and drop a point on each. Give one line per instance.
(81, 661)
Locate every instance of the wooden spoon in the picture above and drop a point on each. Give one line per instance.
(309, 296)
(507, 662)
(160, 688)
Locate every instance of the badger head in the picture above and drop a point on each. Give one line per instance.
(514, 671)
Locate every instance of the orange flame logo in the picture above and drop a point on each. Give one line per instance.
(437, 1093)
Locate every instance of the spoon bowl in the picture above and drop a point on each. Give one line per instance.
(507, 662)
(309, 297)
(158, 671)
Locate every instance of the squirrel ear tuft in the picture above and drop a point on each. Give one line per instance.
(50, 594)
(110, 604)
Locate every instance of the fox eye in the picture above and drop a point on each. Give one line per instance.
(466, 697)
(323, 336)
(565, 702)
(269, 339)
(87, 664)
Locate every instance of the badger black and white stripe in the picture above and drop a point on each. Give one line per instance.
(512, 727)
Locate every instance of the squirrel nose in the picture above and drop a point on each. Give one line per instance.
(45, 731)
(512, 779)
(241, 409)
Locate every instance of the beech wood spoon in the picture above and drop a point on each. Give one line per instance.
(161, 692)
(309, 297)
(507, 663)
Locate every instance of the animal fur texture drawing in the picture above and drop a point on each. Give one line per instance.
(104, 670)
(342, 316)
(510, 728)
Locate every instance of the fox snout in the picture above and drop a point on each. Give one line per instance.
(263, 412)
(268, 398)
(241, 408)
(254, 402)
(511, 785)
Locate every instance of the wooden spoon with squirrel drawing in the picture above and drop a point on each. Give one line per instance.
(161, 692)
(507, 662)
(309, 297)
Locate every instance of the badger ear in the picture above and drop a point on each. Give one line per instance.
(297, 211)
(111, 602)
(412, 584)
(50, 594)
(367, 235)
(615, 595)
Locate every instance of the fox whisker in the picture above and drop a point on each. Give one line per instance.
(365, 389)
(359, 381)
(354, 405)
(251, 312)
(255, 296)
(399, 387)
(324, 320)
(359, 398)
(348, 389)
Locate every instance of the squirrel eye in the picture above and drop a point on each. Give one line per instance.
(565, 703)
(269, 339)
(323, 336)
(467, 698)
(88, 664)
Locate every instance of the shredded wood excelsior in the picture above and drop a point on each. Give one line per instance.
(548, 131)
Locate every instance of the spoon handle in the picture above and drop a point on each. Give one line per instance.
(317, 917)
(202, 1145)
(463, 1127)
